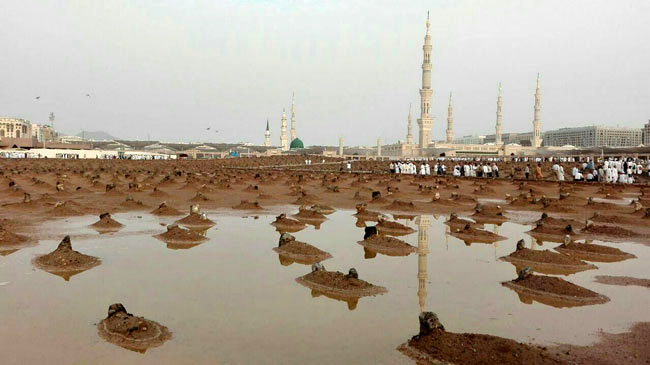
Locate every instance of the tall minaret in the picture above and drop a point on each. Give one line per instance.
(267, 135)
(340, 146)
(409, 128)
(423, 250)
(293, 117)
(537, 123)
(499, 118)
(450, 121)
(283, 132)
(426, 121)
(379, 147)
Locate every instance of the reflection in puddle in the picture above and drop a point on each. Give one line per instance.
(221, 293)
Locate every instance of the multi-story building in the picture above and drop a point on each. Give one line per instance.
(594, 136)
(646, 134)
(508, 138)
(471, 139)
(44, 133)
(15, 128)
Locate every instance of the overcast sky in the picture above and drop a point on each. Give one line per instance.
(170, 69)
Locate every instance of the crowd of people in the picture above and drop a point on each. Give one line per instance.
(608, 171)
(611, 170)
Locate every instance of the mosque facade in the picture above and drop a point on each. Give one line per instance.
(426, 147)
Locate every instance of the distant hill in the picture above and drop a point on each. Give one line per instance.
(96, 136)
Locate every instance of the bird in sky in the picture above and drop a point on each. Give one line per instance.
(207, 129)
(88, 95)
(37, 98)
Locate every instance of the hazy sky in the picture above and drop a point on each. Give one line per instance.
(170, 69)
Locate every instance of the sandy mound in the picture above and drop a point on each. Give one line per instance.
(64, 261)
(546, 229)
(157, 193)
(196, 219)
(592, 252)
(455, 222)
(547, 220)
(609, 232)
(488, 214)
(8, 238)
(178, 235)
(106, 222)
(434, 345)
(132, 204)
(401, 206)
(130, 332)
(366, 215)
(299, 252)
(323, 209)
(339, 284)
(65, 209)
(469, 235)
(284, 224)
(165, 210)
(307, 214)
(387, 245)
(393, 228)
(622, 280)
(627, 220)
(199, 198)
(246, 205)
(553, 291)
(546, 262)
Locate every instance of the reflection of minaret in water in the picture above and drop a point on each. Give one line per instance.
(423, 250)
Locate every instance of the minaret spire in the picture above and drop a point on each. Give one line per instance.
(267, 135)
(450, 121)
(283, 131)
(497, 139)
(425, 122)
(537, 122)
(409, 128)
(293, 117)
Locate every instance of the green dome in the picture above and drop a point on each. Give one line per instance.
(296, 144)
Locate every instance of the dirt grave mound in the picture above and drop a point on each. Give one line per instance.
(338, 283)
(165, 210)
(248, 205)
(106, 222)
(593, 252)
(434, 345)
(179, 235)
(622, 281)
(299, 252)
(284, 224)
(393, 228)
(552, 291)
(547, 262)
(131, 332)
(64, 261)
(387, 245)
(469, 235)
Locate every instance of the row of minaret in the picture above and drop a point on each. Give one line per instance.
(284, 141)
(425, 122)
(537, 123)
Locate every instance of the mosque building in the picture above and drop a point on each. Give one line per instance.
(287, 142)
(426, 147)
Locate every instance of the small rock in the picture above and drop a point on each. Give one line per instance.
(428, 322)
(352, 274)
(525, 272)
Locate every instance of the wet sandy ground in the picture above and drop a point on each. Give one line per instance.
(229, 299)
